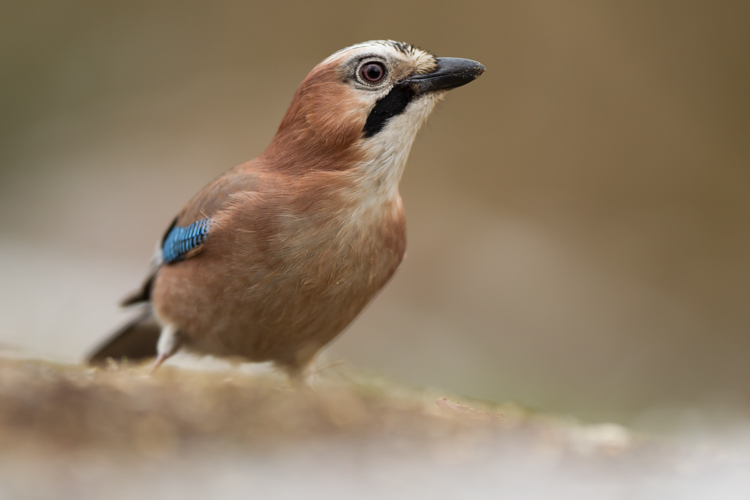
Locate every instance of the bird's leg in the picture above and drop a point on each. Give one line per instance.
(161, 358)
(299, 378)
(299, 368)
(169, 342)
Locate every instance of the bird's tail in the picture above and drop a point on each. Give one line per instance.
(135, 340)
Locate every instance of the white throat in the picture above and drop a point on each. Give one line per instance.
(388, 150)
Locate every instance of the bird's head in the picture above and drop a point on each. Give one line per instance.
(365, 104)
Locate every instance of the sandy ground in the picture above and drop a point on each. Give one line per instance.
(69, 431)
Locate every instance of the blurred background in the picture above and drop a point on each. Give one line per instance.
(578, 217)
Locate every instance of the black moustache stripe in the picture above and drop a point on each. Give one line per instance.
(387, 107)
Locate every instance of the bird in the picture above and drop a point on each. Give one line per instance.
(276, 257)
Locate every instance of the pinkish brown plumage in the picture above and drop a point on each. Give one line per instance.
(300, 239)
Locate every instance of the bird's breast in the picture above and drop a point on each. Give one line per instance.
(352, 248)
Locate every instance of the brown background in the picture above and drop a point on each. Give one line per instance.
(578, 217)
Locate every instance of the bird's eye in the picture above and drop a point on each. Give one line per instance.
(372, 72)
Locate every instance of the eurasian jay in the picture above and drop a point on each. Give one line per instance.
(273, 259)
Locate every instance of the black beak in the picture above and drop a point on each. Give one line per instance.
(450, 73)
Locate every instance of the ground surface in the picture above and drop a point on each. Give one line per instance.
(68, 431)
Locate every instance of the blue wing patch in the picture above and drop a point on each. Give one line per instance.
(180, 240)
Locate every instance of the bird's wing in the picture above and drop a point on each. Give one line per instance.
(190, 230)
